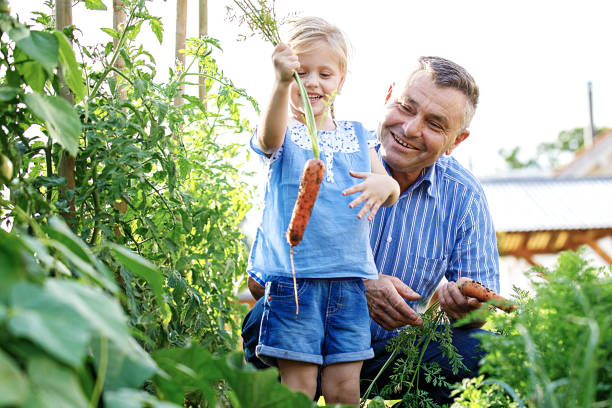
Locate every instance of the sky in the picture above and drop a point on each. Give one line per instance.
(532, 59)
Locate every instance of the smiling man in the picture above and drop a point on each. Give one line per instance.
(439, 231)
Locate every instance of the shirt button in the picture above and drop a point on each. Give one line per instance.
(389, 239)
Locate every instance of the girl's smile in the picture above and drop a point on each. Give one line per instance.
(322, 77)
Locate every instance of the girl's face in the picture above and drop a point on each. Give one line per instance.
(322, 77)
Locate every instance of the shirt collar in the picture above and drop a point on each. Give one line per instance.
(429, 177)
(426, 180)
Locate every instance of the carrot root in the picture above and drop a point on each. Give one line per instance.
(312, 176)
(297, 306)
(477, 290)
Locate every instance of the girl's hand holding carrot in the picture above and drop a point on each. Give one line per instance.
(376, 190)
(271, 131)
(285, 63)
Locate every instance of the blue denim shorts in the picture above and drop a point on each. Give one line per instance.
(333, 324)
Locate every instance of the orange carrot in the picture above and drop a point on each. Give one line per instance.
(312, 176)
(477, 290)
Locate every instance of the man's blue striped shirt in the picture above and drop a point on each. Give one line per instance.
(440, 227)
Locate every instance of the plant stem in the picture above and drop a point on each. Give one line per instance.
(308, 116)
(102, 366)
(49, 164)
(111, 64)
(25, 217)
(384, 367)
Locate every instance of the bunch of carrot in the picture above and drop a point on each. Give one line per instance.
(263, 18)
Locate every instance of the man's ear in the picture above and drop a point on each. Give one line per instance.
(460, 138)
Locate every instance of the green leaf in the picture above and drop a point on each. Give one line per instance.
(53, 385)
(62, 317)
(80, 268)
(33, 72)
(113, 33)
(133, 30)
(70, 68)
(11, 264)
(12, 77)
(39, 45)
(126, 366)
(144, 270)
(8, 93)
(91, 265)
(188, 369)
(126, 58)
(13, 386)
(49, 182)
(43, 318)
(259, 388)
(157, 28)
(128, 398)
(377, 402)
(170, 245)
(61, 119)
(34, 75)
(103, 312)
(40, 255)
(95, 5)
(59, 231)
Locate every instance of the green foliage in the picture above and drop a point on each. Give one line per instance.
(95, 5)
(407, 350)
(549, 155)
(556, 348)
(149, 254)
(66, 342)
(154, 177)
(194, 370)
(50, 320)
(62, 122)
(476, 392)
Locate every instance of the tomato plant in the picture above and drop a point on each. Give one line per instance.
(118, 287)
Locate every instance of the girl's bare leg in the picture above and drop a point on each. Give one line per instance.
(340, 383)
(300, 376)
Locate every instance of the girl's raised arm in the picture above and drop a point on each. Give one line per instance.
(271, 132)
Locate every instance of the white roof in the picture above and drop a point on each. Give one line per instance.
(537, 203)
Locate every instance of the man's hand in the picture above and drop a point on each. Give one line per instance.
(456, 304)
(255, 288)
(386, 302)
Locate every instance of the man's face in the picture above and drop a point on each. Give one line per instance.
(422, 123)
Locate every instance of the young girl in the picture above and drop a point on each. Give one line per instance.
(332, 328)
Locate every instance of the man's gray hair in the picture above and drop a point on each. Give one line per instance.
(446, 73)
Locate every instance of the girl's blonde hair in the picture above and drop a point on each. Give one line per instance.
(306, 31)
